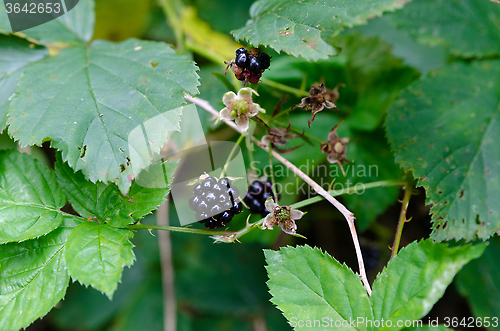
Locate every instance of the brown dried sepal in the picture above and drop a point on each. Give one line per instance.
(336, 148)
(279, 136)
(318, 99)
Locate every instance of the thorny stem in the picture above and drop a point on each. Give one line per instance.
(382, 183)
(177, 229)
(230, 156)
(237, 234)
(349, 216)
(402, 218)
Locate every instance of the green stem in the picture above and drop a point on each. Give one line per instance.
(171, 8)
(402, 218)
(304, 82)
(281, 113)
(306, 135)
(351, 190)
(298, 93)
(230, 156)
(177, 229)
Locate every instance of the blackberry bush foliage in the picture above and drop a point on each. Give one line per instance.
(100, 119)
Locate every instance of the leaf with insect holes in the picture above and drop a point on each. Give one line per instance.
(74, 27)
(30, 199)
(416, 278)
(105, 202)
(304, 28)
(33, 277)
(102, 104)
(467, 27)
(307, 284)
(445, 129)
(96, 254)
(15, 55)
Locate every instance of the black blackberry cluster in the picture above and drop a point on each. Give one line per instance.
(215, 202)
(248, 67)
(258, 193)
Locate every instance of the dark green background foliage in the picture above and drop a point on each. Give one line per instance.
(419, 99)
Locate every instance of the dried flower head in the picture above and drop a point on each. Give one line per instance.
(279, 136)
(283, 216)
(336, 148)
(319, 98)
(240, 107)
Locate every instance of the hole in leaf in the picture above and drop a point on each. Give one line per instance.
(122, 168)
(461, 193)
(83, 151)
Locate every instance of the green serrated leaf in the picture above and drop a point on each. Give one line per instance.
(73, 28)
(15, 55)
(105, 202)
(307, 284)
(96, 254)
(374, 77)
(444, 128)
(424, 58)
(303, 28)
(416, 279)
(98, 103)
(30, 198)
(33, 277)
(479, 282)
(467, 27)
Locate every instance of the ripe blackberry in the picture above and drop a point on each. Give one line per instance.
(256, 188)
(226, 216)
(255, 206)
(264, 60)
(215, 202)
(241, 58)
(241, 50)
(248, 66)
(258, 193)
(254, 65)
(237, 207)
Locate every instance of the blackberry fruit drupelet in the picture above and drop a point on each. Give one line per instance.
(215, 202)
(258, 193)
(241, 57)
